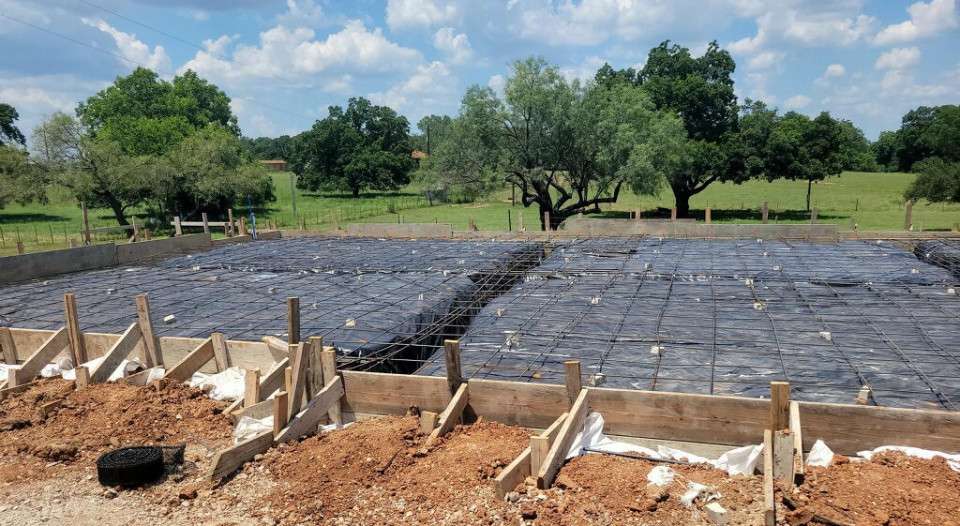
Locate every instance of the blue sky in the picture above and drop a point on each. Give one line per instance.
(284, 62)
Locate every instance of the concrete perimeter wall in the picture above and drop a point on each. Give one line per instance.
(400, 229)
(42, 264)
(626, 227)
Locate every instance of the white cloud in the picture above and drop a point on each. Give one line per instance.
(341, 85)
(295, 53)
(497, 83)
(926, 19)
(834, 70)
(797, 102)
(301, 13)
(592, 22)
(584, 71)
(37, 97)
(355, 47)
(765, 60)
(455, 46)
(898, 58)
(432, 88)
(420, 13)
(134, 50)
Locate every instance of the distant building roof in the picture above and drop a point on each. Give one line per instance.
(417, 154)
(274, 162)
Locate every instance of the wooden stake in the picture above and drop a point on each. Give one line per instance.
(452, 415)
(328, 359)
(765, 213)
(428, 421)
(229, 460)
(908, 215)
(280, 407)
(558, 450)
(177, 227)
(251, 389)
(83, 376)
(293, 321)
(708, 213)
(673, 214)
(192, 362)
(120, 350)
(8, 347)
(231, 230)
(539, 448)
(20, 249)
(315, 380)
(32, 366)
(221, 354)
(769, 507)
(206, 224)
(78, 348)
(152, 354)
(298, 380)
(451, 350)
(521, 467)
(573, 379)
(546, 222)
(795, 430)
(779, 406)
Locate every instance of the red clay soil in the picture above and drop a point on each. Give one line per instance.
(602, 489)
(377, 472)
(87, 422)
(890, 490)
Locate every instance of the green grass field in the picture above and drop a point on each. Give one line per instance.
(872, 201)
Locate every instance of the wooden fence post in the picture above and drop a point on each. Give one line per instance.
(908, 216)
(765, 213)
(206, 224)
(673, 214)
(151, 344)
(707, 215)
(231, 231)
(177, 227)
(546, 222)
(813, 216)
(86, 222)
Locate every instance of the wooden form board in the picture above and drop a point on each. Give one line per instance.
(307, 421)
(452, 415)
(522, 466)
(645, 414)
(557, 455)
(119, 352)
(229, 460)
(47, 351)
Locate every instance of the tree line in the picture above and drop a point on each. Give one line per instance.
(169, 148)
(568, 147)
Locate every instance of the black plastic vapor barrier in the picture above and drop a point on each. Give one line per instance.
(724, 317)
(368, 313)
(941, 252)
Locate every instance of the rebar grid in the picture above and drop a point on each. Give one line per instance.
(717, 317)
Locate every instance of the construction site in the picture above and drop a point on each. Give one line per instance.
(614, 372)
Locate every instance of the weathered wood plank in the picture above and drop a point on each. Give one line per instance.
(558, 450)
(769, 507)
(573, 380)
(116, 354)
(221, 354)
(328, 364)
(797, 433)
(36, 362)
(307, 421)
(515, 403)
(229, 460)
(151, 344)
(298, 382)
(392, 394)
(521, 467)
(78, 348)
(779, 406)
(251, 387)
(452, 415)
(8, 347)
(192, 362)
(451, 355)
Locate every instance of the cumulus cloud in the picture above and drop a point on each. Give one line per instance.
(36, 97)
(926, 19)
(898, 58)
(584, 71)
(455, 46)
(497, 83)
(402, 14)
(765, 60)
(302, 13)
(432, 88)
(834, 70)
(292, 53)
(132, 49)
(797, 102)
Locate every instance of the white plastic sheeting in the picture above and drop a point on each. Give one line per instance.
(821, 455)
(227, 385)
(738, 461)
(248, 427)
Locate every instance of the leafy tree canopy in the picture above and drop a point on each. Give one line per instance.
(800, 148)
(937, 181)
(266, 148)
(144, 114)
(700, 91)
(9, 133)
(433, 130)
(363, 147)
(569, 148)
(20, 180)
(924, 132)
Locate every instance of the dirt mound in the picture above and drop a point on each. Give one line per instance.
(377, 472)
(604, 489)
(890, 490)
(53, 423)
